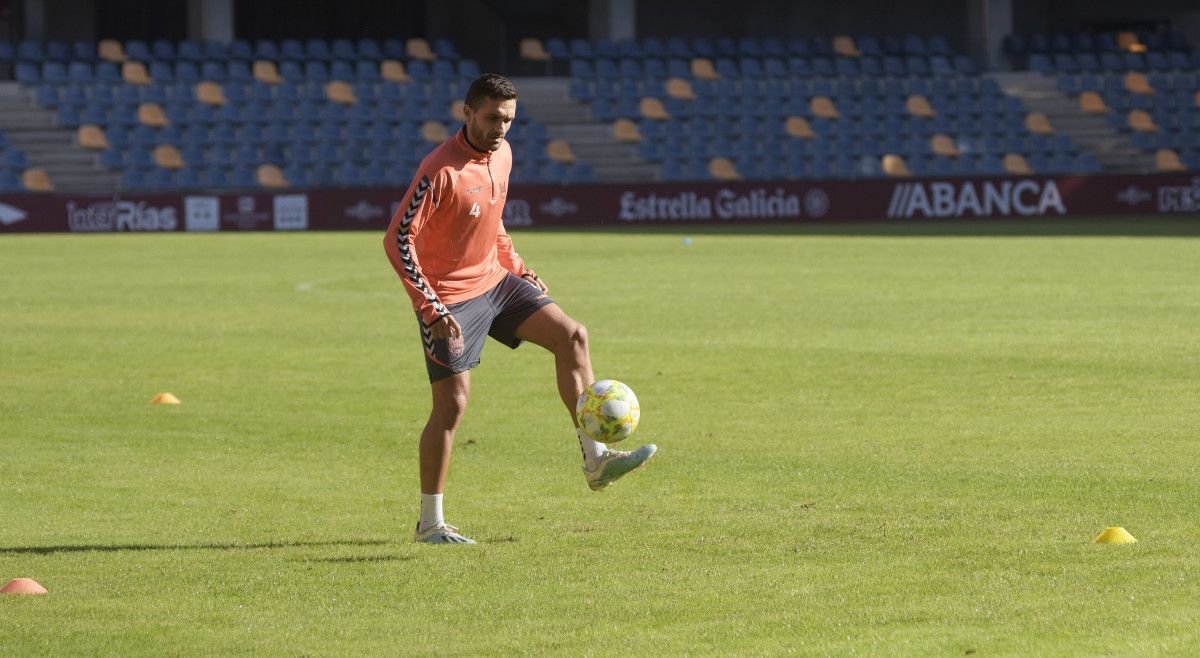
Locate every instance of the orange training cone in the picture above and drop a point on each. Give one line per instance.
(23, 586)
(165, 398)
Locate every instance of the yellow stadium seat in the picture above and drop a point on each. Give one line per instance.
(340, 92)
(942, 144)
(393, 71)
(135, 73)
(111, 50)
(92, 137)
(36, 180)
(1129, 41)
(168, 157)
(1137, 83)
(456, 111)
(625, 130)
(1014, 163)
(419, 49)
(151, 114)
(1038, 124)
(270, 175)
(844, 46)
(1168, 160)
(434, 131)
(559, 150)
(1141, 121)
(723, 169)
(798, 127)
(894, 165)
(267, 72)
(1091, 102)
(652, 108)
(918, 106)
(533, 50)
(823, 107)
(681, 89)
(702, 69)
(210, 93)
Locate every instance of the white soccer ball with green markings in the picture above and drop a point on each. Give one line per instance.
(608, 411)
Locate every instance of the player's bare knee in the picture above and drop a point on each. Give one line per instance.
(577, 338)
(450, 405)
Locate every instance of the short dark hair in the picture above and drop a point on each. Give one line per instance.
(490, 85)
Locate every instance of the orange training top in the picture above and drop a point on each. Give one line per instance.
(446, 240)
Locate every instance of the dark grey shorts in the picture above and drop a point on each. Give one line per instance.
(496, 313)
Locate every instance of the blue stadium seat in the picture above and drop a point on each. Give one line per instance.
(213, 71)
(317, 49)
(292, 50)
(368, 49)
(134, 179)
(55, 73)
(161, 50)
(266, 49)
(213, 178)
(138, 50)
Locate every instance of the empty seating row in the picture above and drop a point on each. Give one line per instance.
(1133, 81)
(1082, 42)
(536, 50)
(242, 95)
(845, 166)
(771, 67)
(235, 50)
(1109, 62)
(963, 88)
(345, 174)
(136, 72)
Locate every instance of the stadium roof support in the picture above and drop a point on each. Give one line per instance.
(988, 22)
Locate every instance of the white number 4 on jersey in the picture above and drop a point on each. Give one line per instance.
(474, 212)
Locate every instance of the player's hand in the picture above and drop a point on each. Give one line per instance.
(532, 278)
(445, 327)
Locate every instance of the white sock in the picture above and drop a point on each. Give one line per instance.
(431, 510)
(592, 450)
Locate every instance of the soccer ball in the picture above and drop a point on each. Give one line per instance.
(608, 411)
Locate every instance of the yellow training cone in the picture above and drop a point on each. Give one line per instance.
(1114, 535)
(165, 398)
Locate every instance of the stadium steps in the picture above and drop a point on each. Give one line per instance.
(33, 130)
(548, 100)
(1114, 150)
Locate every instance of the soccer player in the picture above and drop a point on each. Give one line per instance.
(449, 246)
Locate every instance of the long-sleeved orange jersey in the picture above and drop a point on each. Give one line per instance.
(447, 240)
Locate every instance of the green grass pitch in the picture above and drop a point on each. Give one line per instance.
(874, 440)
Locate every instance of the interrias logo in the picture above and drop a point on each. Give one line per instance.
(944, 199)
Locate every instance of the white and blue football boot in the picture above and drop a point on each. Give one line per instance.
(442, 533)
(616, 463)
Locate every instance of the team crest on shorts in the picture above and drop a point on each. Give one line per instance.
(457, 346)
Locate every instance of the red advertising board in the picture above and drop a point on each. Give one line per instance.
(623, 204)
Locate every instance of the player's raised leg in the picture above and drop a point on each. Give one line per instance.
(450, 397)
(567, 340)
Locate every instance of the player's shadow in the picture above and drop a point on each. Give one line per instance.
(361, 559)
(214, 546)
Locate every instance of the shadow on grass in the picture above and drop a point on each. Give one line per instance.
(1179, 226)
(361, 559)
(113, 548)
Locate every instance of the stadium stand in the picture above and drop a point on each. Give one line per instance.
(173, 115)
(1146, 85)
(272, 114)
(811, 108)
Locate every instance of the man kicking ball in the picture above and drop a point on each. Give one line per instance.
(449, 246)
